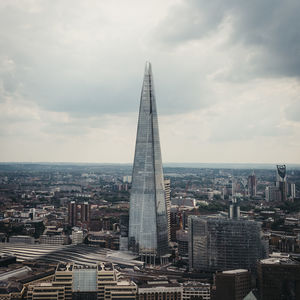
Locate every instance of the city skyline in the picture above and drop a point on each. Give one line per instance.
(227, 76)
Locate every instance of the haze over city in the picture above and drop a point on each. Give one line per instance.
(226, 76)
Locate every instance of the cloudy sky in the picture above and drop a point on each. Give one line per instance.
(226, 73)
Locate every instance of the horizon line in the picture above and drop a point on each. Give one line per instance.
(131, 163)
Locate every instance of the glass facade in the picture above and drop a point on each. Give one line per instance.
(148, 229)
(217, 243)
(84, 280)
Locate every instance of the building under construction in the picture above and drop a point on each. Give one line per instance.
(217, 244)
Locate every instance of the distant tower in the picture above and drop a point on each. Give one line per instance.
(234, 209)
(72, 213)
(293, 190)
(233, 187)
(281, 182)
(273, 194)
(148, 223)
(252, 185)
(85, 213)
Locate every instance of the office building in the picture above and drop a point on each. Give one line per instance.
(281, 182)
(72, 213)
(23, 239)
(234, 187)
(93, 282)
(127, 179)
(105, 239)
(234, 209)
(77, 236)
(279, 278)
(182, 238)
(292, 190)
(148, 224)
(233, 284)
(195, 290)
(217, 244)
(54, 239)
(252, 185)
(175, 222)
(45, 290)
(162, 290)
(168, 204)
(79, 214)
(85, 212)
(272, 194)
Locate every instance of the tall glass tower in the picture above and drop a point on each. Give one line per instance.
(281, 182)
(148, 226)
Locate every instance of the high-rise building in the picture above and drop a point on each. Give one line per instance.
(234, 186)
(168, 204)
(79, 214)
(127, 179)
(234, 209)
(148, 223)
(217, 243)
(292, 190)
(72, 213)
(272, 194)
(252, 185)
(232, 284)
(281, 182)
(85, 212)
(175, 222)
(182, 237)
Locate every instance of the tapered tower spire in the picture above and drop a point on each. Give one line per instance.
(148, 229)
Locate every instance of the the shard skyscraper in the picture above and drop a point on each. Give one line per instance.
(148, 227)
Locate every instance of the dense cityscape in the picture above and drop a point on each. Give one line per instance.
(92, 231)
(73, 214)
(149, 150)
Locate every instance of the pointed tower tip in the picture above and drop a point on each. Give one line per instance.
(148, 67)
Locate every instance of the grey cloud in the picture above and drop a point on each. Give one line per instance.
(49, 69)
(292, 112)
(238, 129)
(55, 67)
(269, 26)
(187, 21)
(65, 129)
(246, 122)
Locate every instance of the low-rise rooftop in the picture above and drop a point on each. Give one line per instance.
(237, 271)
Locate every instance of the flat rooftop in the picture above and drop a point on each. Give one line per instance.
(279, 261)
(237, 271)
